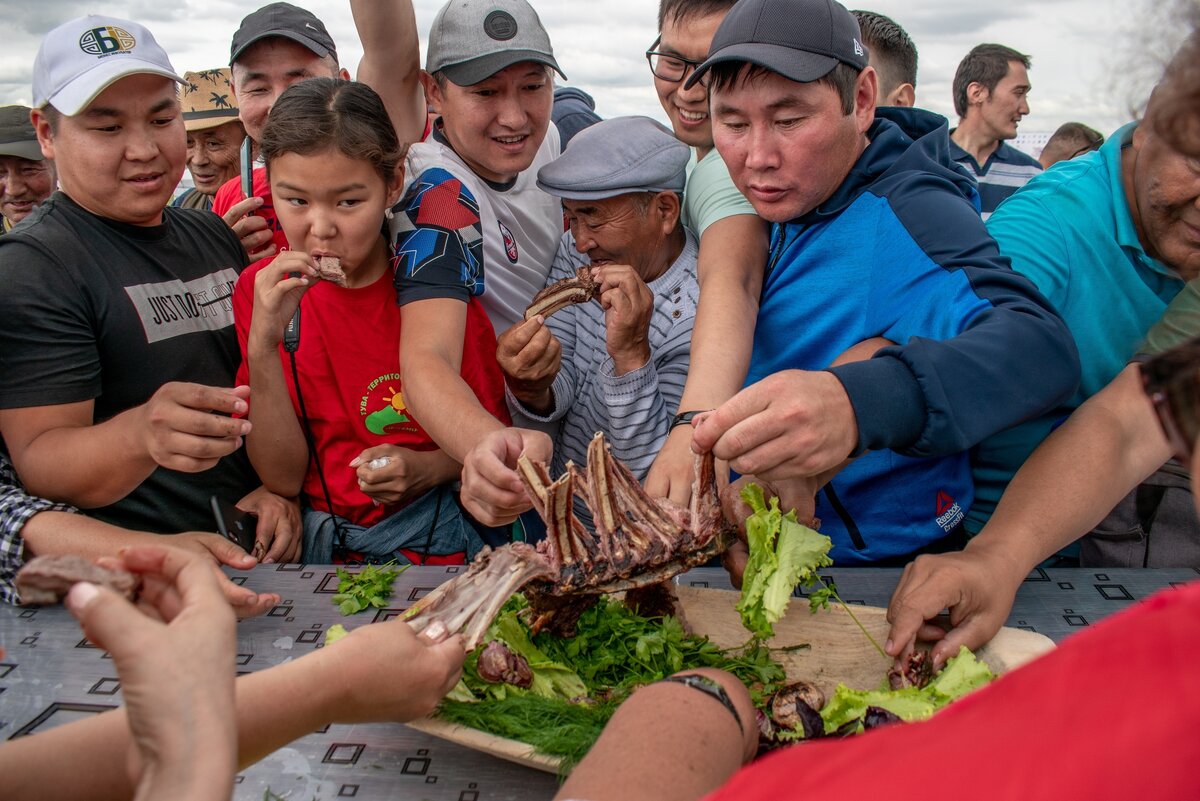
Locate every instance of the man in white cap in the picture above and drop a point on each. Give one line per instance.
(616, 365)
(119, 346)
(26, 176)
(474, 223)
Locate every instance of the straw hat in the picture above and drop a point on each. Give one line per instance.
(208, 100)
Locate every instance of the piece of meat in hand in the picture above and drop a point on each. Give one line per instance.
(562, 294)
(330, 269)
(47, 579)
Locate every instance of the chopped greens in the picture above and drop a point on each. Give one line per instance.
(579, 681)
(370, 587)
(334, 633)
(783, 554)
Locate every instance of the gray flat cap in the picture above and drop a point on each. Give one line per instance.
(616, 157)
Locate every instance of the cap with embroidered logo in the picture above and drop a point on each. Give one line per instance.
(17, 137)
(472, 40)
(802, 40)
(81, 58)
(286, 20)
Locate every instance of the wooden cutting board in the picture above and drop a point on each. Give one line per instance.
(837, 652)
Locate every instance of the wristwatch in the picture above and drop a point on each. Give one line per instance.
(686, 418)
(711, 688)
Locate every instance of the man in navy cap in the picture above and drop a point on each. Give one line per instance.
(616, 365)
(876, 237)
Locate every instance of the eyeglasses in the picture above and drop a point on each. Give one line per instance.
(671, 66)
(1172, 380)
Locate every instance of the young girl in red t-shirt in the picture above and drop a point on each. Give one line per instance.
(378, 485)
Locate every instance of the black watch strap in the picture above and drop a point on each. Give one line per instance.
(686, 418)
(711, 688)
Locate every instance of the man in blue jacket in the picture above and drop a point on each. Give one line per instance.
(876, 241)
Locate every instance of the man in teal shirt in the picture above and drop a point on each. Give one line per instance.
(1109, 238)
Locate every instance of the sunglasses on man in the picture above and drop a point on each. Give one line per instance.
(1172, 380)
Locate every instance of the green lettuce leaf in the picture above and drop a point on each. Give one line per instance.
(961, 674)
(550, 679)
(800, 551)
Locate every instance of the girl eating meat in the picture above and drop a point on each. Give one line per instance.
(318, 327)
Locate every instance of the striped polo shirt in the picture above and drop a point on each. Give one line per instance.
(1005, 171)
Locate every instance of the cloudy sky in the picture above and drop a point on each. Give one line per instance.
(1092, 58)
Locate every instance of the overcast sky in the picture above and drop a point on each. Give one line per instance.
(1088, 61)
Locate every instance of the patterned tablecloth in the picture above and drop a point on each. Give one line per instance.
(51, 675)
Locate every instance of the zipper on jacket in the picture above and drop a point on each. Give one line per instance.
(856, 536)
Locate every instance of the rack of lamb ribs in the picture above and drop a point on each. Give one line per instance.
(638, 542)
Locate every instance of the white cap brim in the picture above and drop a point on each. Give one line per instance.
(78, 94)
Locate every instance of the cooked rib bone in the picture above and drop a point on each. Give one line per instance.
(561, 294)
(638, 541)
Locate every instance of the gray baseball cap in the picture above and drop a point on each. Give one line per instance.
(802, 40)
(17, 137)
(472, 40)
(616, 157)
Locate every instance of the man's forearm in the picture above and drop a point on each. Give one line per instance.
(445, 406)
(1077, 475)
(722, 339)
(391, 61)
(87, 465)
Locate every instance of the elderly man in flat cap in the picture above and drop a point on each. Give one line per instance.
(616, 364)
(26, 176)
(214, 135)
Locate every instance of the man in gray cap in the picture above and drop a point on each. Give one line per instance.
(474, 226)
(617, 365)
(26, 176)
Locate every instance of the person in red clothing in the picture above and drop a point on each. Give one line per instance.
(320, 355)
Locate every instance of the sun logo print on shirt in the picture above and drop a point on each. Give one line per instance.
(383, 408)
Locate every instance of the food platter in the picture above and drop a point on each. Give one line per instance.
(825, 648)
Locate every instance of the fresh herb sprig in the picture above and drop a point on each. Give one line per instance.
(819, 599)
(370, 587)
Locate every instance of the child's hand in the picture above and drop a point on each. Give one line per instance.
(389, 474)
(278, 288)
(178, 670)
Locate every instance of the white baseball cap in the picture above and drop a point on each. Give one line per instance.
(81, 58)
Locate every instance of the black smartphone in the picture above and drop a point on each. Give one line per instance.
(234, 524)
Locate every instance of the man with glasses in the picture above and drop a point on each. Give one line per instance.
(733, 239)
(1070, 140)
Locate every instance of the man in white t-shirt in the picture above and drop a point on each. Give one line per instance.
(473, 223)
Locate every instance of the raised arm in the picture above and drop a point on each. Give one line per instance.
(1082, 470)
(391, 62)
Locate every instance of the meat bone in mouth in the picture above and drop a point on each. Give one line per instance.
(638, 541)
(562, 294)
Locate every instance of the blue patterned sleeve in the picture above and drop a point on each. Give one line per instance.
(437, 240)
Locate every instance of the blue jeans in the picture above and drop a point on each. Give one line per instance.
(408, 528)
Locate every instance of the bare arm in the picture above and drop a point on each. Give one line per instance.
(1082, 470)
(61, 455)
(391, 62)
(430, 369)
(733, 253)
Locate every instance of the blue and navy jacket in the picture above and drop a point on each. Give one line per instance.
(899, 251)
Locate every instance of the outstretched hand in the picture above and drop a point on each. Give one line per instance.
(175, 666)
(491, 489)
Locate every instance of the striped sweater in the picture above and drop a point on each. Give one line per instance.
(633, 410)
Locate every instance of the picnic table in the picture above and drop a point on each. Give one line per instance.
(51, 675)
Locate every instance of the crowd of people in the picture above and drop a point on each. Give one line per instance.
(948, 352)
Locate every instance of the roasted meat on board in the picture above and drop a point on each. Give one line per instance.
(638, 541)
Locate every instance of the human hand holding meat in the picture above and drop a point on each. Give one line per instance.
(491, 489)
(175, 666)
(977, 585)
(797, 493)
(278, 288)
(628, 306)
(791, 424)
(253, 231)
(188, 427)
(277, 537)
(389, 474)
(218, 551)
(387, 672)
(530, 357)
